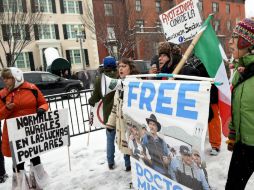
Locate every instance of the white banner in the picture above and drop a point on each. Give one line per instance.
(97, 112)
(31, 135)
(182, 22)
(166, 124)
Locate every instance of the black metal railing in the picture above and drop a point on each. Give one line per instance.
(79, 110)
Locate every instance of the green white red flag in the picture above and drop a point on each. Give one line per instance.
(209, 50)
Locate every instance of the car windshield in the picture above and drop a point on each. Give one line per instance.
(49, 77)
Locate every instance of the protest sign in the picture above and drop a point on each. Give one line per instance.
(166, 124)
(97, 112)
(32, 135)
(182, 22)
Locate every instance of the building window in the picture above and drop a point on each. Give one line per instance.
(71, 7)
(111, 33)
(47, 31)
(228, 25)
(108, 9)
(216, 24)
(75, 56)
(228, 8)
(158, 6)
(200, 6)
(44, 6)
(71, 30)
(17, 32)
(12, 6)
(138, 5)
(22, 61)
(140, 25)
(215, 7)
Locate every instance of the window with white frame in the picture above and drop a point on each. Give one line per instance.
(75, 56)
(227, 8)
(108, 9)
(111, 33)
(200, 6)
(228, 25)
(158, 6)
(138, 5)
(215, 7)
(71, 7)
(17, 32)
(140, 25)
(47, 31)
(70, 29)
(216, 25)
(44, 6)
(22, 60)
(115, 51)
(12, 6)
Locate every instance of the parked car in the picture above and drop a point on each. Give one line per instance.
(50, 84)
(142, 66)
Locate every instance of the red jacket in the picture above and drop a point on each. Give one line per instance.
(25, 103)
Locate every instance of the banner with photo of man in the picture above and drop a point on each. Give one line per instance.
(166, 124)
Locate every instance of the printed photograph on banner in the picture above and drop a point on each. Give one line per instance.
(32, 135)
(182, 22)
(166, 124)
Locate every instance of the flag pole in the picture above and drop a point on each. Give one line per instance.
(187, 53)
(191, 46)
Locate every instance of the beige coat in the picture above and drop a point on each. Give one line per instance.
(116, 121)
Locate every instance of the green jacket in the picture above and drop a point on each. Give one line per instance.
(107, 100)
(242, 124)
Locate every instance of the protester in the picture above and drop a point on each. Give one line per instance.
(157, 147)
(20, 98)
(3, 174)
(169, 57)
(110, 70)
(241, 135)
(116, 120)
(183, 170)
(85, 77)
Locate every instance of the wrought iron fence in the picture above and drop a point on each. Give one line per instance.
(79, 110)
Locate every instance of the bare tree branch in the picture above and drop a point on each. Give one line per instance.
(17, 31)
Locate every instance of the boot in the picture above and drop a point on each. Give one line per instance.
(38, 176)
(20, 181)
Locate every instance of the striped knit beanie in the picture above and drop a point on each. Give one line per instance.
(245, 30)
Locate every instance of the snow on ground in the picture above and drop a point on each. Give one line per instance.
(89, 169)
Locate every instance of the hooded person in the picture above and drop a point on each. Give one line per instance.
(109, 68)
(169, 56)
(241, 135)
(19, 98)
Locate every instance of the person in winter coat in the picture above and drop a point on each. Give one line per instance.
(110, 70)
(20, 98)
(116, 120)
(241, 135)
(169, 57)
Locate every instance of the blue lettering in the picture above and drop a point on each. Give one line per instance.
(182, 102)
(164, 100)
(141, 185)
(132, 95)
(153, 188)
(148, 175)
(176, 187)
(168, 184)
(146, 100)
(156, 176)
(139, 169)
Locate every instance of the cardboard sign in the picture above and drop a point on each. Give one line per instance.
(31, 135)
(182, 22)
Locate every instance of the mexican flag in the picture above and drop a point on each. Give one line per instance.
(209, 50)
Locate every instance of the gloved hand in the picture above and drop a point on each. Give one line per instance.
(231, 143)
(40, 112)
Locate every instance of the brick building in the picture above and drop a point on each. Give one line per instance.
(141, 19)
